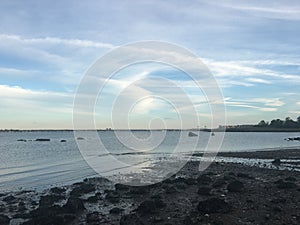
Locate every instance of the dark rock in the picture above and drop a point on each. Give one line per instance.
(190, 181)
(42, 139)
(116, 210)
(159, 203)
(121, 187)
(219, 183)
(204, 179)
(291, 179)
(140, 190)
(147, 207)
(22, 140)
(131, 219)
(83, 188)
(244, 175)
(50, 216)
(278, 200)
(21, 206)
(22, 215)
(192, 134)
(285, 184)
(46, 211)
(95, 218)
(277, 209)
(180, 185)
(74, 205)
(4, 220)
(93, 199)
(228, 177)
(276, 162)
(63, 140)
(80, 138)
(59, 219)
(112, 196)
(204, 190)
(171, 190)
(49, 200)
(213, 205)
(10, 199)
(235, 186)
(58, 190)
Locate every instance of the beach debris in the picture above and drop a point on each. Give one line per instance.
(63, 140)
(42, 139)
(192, 134)
(22, 140)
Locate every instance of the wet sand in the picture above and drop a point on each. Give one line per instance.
(225, 193)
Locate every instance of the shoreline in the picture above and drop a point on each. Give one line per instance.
(232, 193)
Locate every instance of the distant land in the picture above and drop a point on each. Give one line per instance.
(276, 125)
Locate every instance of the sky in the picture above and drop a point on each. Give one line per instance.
(252, 48)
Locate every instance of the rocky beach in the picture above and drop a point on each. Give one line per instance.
(225, 193)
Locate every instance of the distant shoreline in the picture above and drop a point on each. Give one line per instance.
(254, 129)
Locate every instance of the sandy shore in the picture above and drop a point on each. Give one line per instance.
(226, 193)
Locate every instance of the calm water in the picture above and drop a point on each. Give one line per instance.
(34, 164)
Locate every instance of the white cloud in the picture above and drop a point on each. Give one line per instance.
(286, 10)
(245, 73)
(254, 104)
(298, 103)
(258, 80)
(55, 41)
(295, 112)
(21, 93)
(268, 101)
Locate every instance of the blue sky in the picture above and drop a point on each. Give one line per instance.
(251, 47)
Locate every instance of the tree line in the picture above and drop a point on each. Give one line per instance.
(278, 123)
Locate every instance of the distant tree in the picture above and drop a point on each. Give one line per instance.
(298, 120)
(263, 123)
(277, 123)
(289, 123)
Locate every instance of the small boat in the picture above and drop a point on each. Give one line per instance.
(212, 134)
(191, 134)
